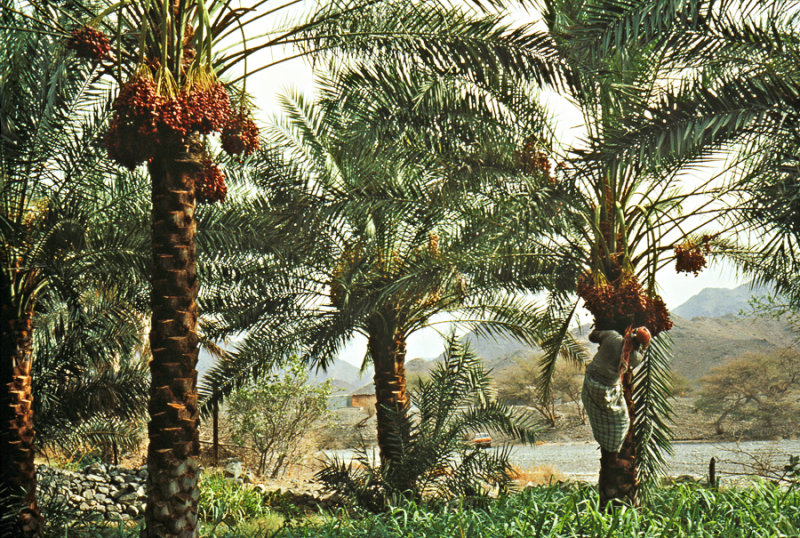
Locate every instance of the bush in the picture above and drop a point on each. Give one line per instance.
(275, 414)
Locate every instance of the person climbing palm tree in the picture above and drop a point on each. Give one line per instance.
(602, 393)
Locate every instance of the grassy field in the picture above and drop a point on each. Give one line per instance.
(761, 510)
(686, 510)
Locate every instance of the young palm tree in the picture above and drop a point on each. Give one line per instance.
(391, 245)
(54, 200)
(451, 406)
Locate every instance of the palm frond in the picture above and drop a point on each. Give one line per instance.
(652, 399)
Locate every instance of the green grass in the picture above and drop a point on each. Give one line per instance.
(687, 510)
(762, 510)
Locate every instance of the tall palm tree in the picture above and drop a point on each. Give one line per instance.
(53, 199)
(626, 220)
(387, 167)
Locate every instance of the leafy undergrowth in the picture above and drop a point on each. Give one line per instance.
(686, 510)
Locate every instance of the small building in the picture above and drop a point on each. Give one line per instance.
(364, 397)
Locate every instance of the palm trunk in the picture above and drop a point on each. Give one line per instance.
(388, 350)
(17, 469)
(172, 456)
(619, 481)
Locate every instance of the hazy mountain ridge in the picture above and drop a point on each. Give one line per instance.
(717, 302)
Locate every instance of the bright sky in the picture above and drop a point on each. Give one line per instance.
(266, 85)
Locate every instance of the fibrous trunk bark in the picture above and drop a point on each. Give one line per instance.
(19, 513)
(172, 456)
(619, 481)
(388, 350)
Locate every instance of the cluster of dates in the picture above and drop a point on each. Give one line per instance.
(533, 160)
(89, 43)
(691, 258)
(622, 304)
(147, 124)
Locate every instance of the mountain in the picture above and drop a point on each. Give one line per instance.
(715, 302)
(342, 371)
(703, 342)
(343, 374)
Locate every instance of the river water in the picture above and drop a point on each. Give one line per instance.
(581, 461)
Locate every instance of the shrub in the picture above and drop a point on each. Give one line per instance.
(275, 414)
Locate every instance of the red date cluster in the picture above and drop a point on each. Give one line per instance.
(240, 136)
(210, 186)
(622, 304)
(147, 124)
(90, 43)
(533, 160)
(132, 137)
(145, 121)
(690, 258)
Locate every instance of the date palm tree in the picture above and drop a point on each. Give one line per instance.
(631, 215)
(393, 171)
(55, 204)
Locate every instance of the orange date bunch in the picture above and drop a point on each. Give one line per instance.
(211, 186)
(691, 258)
(147, 124)
(533, 160)
(240, 135)
(623, 303)
(89, 43)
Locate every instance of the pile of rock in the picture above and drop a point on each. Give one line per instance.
(117, 492)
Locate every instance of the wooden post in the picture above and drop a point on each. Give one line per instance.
(215, 420)
(712, 472)
(215, 427)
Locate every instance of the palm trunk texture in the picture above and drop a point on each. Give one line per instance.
(19, 513)
(388, 350)
(172, 456)
(619, 481)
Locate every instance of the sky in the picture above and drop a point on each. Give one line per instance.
(297, 74)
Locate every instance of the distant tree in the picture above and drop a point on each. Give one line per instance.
(275, 414)
(755, 386)
(520, 384)
(567, 385)
(681, 386)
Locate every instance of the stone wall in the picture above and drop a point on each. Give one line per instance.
(117, 492)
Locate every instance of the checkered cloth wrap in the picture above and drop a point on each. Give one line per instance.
(607, 412)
